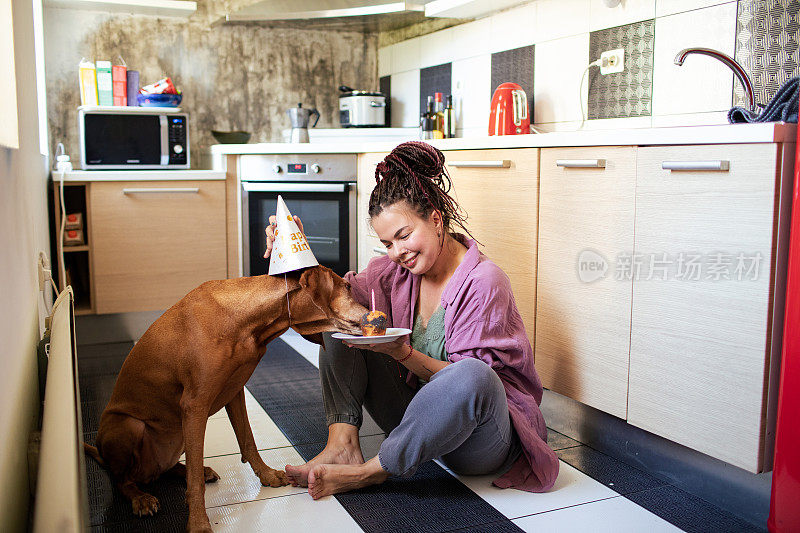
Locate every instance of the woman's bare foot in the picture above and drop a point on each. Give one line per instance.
(327, 479)
(342, 448)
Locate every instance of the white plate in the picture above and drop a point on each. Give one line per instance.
(391, 334)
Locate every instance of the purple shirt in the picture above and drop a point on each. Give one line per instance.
(481, 321)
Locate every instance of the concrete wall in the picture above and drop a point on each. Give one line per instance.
(237, 77)
(23, 217)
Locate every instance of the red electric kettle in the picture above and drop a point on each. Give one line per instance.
(509, 114)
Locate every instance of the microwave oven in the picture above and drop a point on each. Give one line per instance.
(141, 138)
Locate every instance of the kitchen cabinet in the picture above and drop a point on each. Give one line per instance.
(498, 190)
(702, 340)
(158, 8)
(586, 214)
(151, 242)
(369, 245)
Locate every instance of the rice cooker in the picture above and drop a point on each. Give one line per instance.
(361, 109)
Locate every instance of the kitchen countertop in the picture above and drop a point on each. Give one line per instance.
(140, 175)
(771, 132)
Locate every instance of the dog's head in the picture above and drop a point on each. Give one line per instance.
(330, 295)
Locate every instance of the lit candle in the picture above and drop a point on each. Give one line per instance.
(373, 299)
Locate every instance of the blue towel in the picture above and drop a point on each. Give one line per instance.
(783, 107)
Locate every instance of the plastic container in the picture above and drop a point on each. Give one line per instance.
(159, 100)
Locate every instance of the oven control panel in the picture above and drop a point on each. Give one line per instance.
(305, 167)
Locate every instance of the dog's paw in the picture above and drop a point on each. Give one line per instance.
(210, 475)
(146, 504)
(273, 478)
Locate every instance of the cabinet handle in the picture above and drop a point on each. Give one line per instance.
(581, 163)
(190, 190)
(697, 165)
(502, 163)
(379, 250)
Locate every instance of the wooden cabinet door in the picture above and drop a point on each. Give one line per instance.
(369, 245)
(154, 241)
(583, 308)
(700, 328)
(501, 204)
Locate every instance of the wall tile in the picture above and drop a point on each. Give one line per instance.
(436, 79)
(385, 61)
(406, 55)
(557, 74)
(405, 99)
(618, 123)
(472, 132)
(560, 18)
(513, 28)
(549, 127)
(472, 94)
(471, 39)
(627, 93)
(691, 119)
(385, 86)
(516, 66)
(602, 16)
(671, 7)
(436, 48)
(767, 35)
(702, 83)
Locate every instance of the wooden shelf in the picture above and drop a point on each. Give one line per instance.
(160, 8)
(83, 310)
(81, 248)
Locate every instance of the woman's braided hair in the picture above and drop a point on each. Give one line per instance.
(414, 172)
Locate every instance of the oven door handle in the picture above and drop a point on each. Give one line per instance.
(260, 186)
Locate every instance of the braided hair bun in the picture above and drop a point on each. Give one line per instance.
(414, 172)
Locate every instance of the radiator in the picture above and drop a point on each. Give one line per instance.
(60, 503)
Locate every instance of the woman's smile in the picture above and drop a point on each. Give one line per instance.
(411, 261)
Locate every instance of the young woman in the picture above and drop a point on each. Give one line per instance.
(463, 387)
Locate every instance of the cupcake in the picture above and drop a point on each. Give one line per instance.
(373, 323)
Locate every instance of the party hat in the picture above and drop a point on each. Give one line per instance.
(290, 251)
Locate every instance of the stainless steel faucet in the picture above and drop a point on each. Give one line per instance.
(737, 69)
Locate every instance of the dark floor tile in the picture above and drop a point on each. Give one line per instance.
(689, 512)
(106, 349)
(616, 475)
(559, 441)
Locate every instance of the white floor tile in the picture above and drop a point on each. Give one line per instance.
(296, 512)
(238, 483)
(307, 349)
(614, 515)
(572, 487)
(221, 440)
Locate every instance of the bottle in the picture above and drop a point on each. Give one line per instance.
(449, 119)
(438, 117)
(427, 121)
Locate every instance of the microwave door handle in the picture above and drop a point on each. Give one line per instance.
(162, 119)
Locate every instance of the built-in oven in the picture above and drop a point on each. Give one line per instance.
(320, 189)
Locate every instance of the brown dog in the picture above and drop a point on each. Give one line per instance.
(195, 359)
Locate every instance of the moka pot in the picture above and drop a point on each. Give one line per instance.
(300, 117)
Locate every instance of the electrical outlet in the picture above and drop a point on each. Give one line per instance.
(612, 61)
(45, 273)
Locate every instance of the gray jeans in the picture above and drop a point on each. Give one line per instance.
(460, 416)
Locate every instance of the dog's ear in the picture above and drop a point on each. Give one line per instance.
(316, 338)
(319, 282)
